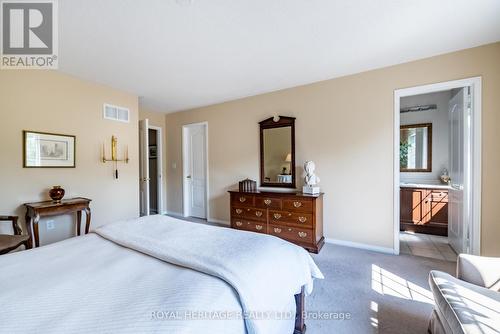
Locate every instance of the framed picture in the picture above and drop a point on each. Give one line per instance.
(48, 150)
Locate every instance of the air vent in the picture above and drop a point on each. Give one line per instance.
(116, 113)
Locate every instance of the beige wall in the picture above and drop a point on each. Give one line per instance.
(345, 125)
(49, 101)
(158, 119)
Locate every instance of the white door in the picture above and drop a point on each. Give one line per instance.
(195, 170)
(144, 166)
(457, 221)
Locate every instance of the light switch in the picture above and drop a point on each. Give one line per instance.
(174, 165)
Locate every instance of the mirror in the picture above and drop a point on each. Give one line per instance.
(415, 148)
(277, 152)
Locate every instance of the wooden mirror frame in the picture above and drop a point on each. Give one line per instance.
(270, 123)
(429, 148)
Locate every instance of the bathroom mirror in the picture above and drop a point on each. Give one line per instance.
(277, 152)
(415, 148)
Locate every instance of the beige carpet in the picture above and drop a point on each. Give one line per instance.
(372, 292)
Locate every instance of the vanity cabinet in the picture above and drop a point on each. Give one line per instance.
(424, 210)
(295, 217)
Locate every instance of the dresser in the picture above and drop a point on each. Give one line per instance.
(295, 217)
(424, 210)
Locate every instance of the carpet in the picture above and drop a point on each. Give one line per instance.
(370, 292)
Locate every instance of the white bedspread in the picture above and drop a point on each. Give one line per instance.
(91, 285)
(264, 270)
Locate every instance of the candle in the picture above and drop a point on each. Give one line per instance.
(114, 141)
(126, 154)
(103, 153)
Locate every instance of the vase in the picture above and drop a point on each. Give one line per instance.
(56, 193)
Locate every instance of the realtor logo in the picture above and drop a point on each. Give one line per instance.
(29, 34)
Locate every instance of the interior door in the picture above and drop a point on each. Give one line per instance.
(457, 117)
(196, 170)
(144, 167)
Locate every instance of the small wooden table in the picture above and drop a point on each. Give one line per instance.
(50, 208)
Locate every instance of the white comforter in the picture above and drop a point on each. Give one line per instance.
(91, 285)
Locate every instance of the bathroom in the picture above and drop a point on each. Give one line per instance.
(432, 151)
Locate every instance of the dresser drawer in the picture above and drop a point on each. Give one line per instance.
(243, 200)
(268, 202)
(292, 233)
(298, 204)
(249, 213)
(248, 225)
(439, 196)
(295, 218)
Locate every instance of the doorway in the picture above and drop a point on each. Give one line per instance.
(154, 171)
(195, 170)
(437, 169)
(151, 155)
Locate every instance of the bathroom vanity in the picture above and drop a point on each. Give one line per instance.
(424, 208)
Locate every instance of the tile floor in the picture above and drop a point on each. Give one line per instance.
(426, 245)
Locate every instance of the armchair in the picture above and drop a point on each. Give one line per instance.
(11, 242)
(469, 303)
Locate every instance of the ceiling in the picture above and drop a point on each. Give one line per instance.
(180, 54)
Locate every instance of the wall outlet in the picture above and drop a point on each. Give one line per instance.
(50, 225)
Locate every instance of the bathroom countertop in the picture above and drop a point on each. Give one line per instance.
(423, 185)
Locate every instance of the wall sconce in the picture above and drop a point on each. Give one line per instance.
(114, 155)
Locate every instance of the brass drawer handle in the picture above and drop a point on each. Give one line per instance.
(267, 201)
(258, 227)
(302, 219)
(258, 213)
(302, 234)
(277, 230)
(242, 199)
(238, 211)
(297, 204)
(239, 224)
(277, 216)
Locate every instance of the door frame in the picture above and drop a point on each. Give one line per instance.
(159, 166)
(143, 167)
(185, 172)
(473, 175)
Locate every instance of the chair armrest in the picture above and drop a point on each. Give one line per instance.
(15, 225)
(479, 270)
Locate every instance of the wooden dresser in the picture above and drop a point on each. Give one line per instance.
(295, 217)
(424, 210)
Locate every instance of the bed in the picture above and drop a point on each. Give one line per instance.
(157, 274)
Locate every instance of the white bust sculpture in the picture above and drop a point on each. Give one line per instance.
(310, 179)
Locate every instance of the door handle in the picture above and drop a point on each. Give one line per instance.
(188, 177)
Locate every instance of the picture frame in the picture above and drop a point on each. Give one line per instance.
(48, 150)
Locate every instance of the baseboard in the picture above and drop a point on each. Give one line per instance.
(352, 244)
(210, 220)
(218, 221)
(172, 213)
